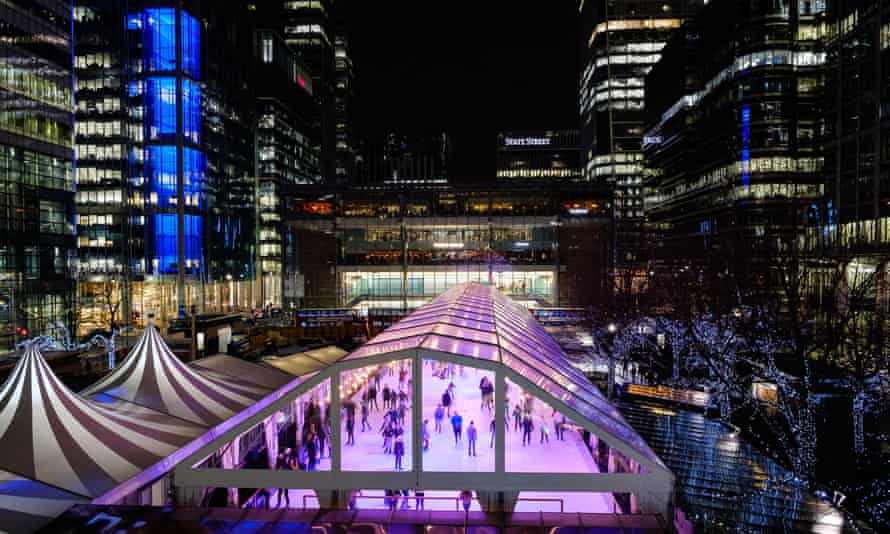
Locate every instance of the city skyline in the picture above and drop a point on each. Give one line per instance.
(614, 262)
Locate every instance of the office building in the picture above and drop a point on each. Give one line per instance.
(165, 158)
(287, 153)
(396, 247)
(404, 158)
(543, 156)
(734, 144)
(344, 94)
(308, 26)
(37, 244)
(856, 216)
(621, 41)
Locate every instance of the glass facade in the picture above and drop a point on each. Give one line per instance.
(162, 148)
(37, 239)
(394, 249)
(734, 148)
(622, 41)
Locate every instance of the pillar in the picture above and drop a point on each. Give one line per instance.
(654, 502)
(417, 416)
(499, 422)
(335, 420)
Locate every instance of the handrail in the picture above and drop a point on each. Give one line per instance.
(456, 500)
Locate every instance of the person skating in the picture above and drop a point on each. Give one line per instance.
(561, 429)
(471, 439)
(426, 434)
(365, 414)
(446, 402)
(372, 396)
(456, 424)
(482, 385)
(545, 431)
(517, 417)
(386, 396)
(387, 431)
(398, 452)
(403, 410)
(491, 428)
(283, 463)
(438, 415)
(350, 430)
(527, 427)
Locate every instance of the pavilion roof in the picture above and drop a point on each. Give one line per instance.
(478, 321)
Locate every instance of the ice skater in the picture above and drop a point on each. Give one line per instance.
(471, 439)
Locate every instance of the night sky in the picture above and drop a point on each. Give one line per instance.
(469, 68)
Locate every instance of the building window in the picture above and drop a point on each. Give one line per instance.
(267, 50)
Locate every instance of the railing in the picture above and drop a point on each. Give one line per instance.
(424, 499)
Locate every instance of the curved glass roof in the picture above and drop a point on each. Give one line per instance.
(478, 321)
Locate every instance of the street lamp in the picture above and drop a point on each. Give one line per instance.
(612, 329)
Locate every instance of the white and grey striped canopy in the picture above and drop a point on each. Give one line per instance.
(152, 376)
(51, 435)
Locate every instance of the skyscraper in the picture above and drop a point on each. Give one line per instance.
(621, 40)
(165, 145)
(344, 93)
(543, 156)
(308, 28)
(286, 156)
(735, 141)
(857, 135)
(37, 243)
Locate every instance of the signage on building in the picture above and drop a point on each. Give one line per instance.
(526, 141)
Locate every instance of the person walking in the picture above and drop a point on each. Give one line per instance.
(446, 402)
(527, 427)
(321, 435)
(419, 497)
(283, 463)
(398, 452)
(365, 414)
(456, 424)
(561, 429)
(471, 439)
(350, 430)
(466, 498)
(426, 434)
(311, 445)
(372, 395)
(438, 415)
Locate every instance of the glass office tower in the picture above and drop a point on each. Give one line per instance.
(620, 42)
(37, 242)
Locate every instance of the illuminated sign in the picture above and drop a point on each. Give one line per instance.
(526, 141)
(448, 245)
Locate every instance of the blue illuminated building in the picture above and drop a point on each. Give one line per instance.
(175, 166)
(167, 202)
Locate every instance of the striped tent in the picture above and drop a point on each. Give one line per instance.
(154, 377)
(53, 436)
(27, 505)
